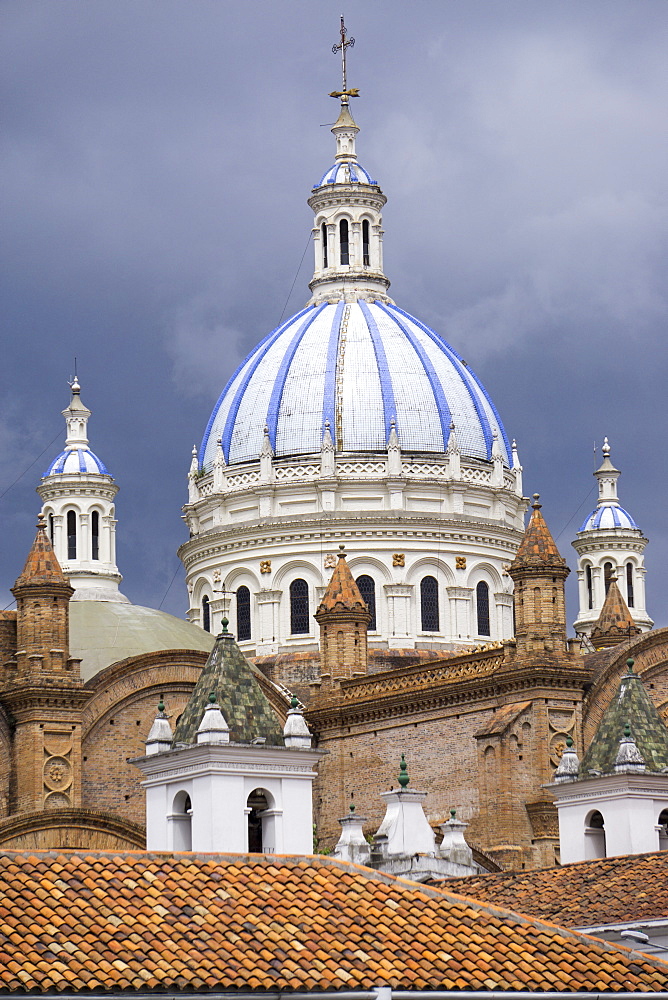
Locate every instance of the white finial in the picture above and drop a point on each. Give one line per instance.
(327, 456)
(606, 448)
(296, 732)
(266, 456)
(629, 760)
(213, 728)
(160, 737)
(74, 386)
(569, 765)
(394, 464)
(194, 465)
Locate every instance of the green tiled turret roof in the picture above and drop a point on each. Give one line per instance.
(631, 704)
(232, 678)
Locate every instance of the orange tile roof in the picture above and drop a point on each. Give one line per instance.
(342, 592)
(614, 623)
(537, 547)
(41, 565)
(606, 891)
(142, 921)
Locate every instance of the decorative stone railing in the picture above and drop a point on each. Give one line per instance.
(423, 679)
(306, 472)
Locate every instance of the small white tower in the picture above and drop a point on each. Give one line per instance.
(610, 545)
(78, 506)
(230, 779)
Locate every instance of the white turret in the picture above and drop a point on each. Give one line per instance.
(78, 506)
(610, 544)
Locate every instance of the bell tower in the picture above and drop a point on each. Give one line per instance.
(43, 689)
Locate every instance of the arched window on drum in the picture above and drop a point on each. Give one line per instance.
(243, 614)
(300, 623)
(482, 608)
(367, 589)
(206, 614)
(429, 610)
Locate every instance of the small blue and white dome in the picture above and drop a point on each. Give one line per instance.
(356, 366)
(76, 461)
(347, 172)
(607, 516)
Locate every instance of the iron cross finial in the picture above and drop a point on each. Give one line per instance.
(345, 43)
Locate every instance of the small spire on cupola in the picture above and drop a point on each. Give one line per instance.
(497, 459)
(453, 454)
(327, 453)
(345, 128)
(193, 491)
(394, 465)
(266, 457)
(219, 467)
(159, 739)
(76, 419)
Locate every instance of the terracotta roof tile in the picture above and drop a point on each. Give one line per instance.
(252, 934)
(342, 592)
(41, 565)
(608, 890)
(614, 623)
(537, 547)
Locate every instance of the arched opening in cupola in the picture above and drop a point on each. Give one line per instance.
(608, 573)
(95, 535)
(629, 585)
(181, 822)
(590, 587)
(71, 535)
(323, 236)
(365, 243)
(206, 614)
(262, 814)
(343, 241)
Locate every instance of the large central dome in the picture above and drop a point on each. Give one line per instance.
(354, 367)
(353, 423)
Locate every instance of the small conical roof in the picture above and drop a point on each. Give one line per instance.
(342, 592)
(633, 706)
(614, 623)
(232, 678)
(538, 547)
(41, 565)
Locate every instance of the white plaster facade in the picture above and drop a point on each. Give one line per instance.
(629, 806)
(197, 798)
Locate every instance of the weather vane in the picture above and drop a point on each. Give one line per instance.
(345, 43)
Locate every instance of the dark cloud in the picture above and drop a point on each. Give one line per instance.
(157, 157)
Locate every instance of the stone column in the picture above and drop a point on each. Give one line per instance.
(460, 611)
(268, 604)
(399, 598)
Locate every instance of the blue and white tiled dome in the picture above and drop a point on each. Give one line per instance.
(607, 516)
(358, 366)
(74, 461)
(346, 172)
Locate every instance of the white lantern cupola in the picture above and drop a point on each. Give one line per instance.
(610, 545)
(78, 494)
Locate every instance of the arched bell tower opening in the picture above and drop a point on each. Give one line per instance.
(595, 836)
(181, 822)
(261, 816)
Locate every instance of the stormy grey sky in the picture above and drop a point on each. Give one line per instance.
(157, 156)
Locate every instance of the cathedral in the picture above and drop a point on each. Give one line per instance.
(356, 515)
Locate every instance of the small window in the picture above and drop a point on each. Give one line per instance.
(323, 230)
(429, 616)
(590, 588)
(299, 616)
(71, 535)
(206, 614)
(365, 242)
(51, 531)
(95, 535)
(243, 613)
(367, 589)
(629, 584)
(608, 574)
(482, 607)
(343, 241)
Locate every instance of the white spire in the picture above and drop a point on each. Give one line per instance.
(296, 732)
(193, 491)
(607, 476)
(219, 468)
(76, 419)
(160, 737)
(213, 728)
(453, 454)
(393, 451)
(569, 765)
(266, 456)
(327, 453)
(497, 459)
